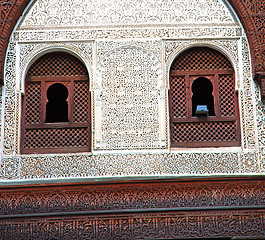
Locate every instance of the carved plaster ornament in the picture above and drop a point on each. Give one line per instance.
(128, 55)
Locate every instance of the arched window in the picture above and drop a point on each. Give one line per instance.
(56, 106)
(203, 101)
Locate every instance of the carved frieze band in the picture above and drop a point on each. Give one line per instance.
(157, 210)
(91, 34)
(106, 165)
(51, 13)
(139, 226)
(178, 196)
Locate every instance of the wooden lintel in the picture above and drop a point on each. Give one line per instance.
(260, 78)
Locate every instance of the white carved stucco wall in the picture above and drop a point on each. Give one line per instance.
(128, 48)
(68, 13)
(129, 85)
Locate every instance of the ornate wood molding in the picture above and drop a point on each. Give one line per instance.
(260, 78)
(148, 197)
(252, 16)
(210, 225)
(224, 208)
(10, 11)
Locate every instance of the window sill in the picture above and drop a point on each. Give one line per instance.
(206, 149)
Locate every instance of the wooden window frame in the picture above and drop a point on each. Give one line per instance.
(46, 82)
(213, 76)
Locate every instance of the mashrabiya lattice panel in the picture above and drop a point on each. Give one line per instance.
(57, 64)
(56, 138)
(33, 102)
(40, 137)
(226, 93)
(204, 132)
(81, 101)
(201, 58)
(198, 61)
(178, 96)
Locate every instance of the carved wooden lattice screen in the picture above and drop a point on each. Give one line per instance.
(221, 129)
(39, 136)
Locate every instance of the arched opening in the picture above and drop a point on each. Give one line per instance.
(202, 94)
(56, 114)
(203, 101)
(57, 106)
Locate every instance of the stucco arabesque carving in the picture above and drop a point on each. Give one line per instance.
(246, 101)
(81, 165)
(102, 12)
(131, 83)
(9, 108)
(86, 165)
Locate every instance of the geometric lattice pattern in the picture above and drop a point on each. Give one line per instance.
(59, 135)
(81, 101)
(204, 132)
(185, 128)
(178, 96)
(226, 95)
(33, 102)
(57, 64)
(56, 138)
(201, 58)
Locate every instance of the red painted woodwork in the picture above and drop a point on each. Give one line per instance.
(221, 127)
(135, 210)
(72, 134)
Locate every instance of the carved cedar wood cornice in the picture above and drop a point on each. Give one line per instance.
(133, 196)
(228, 208)
(222, 225)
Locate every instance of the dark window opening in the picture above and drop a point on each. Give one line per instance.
(57, 106)
(202, 90)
